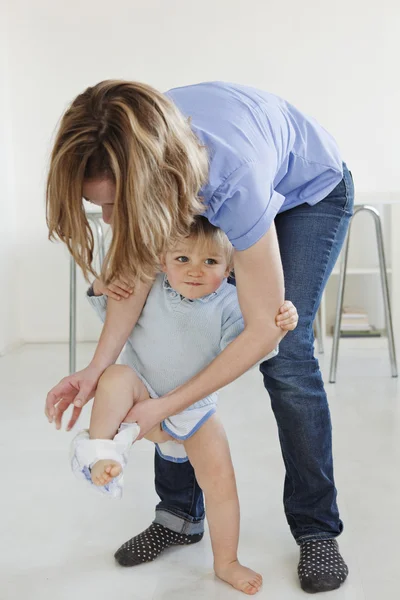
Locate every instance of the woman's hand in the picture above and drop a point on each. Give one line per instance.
(76, 389)
(147, 414)
(117, 290)
(287, 317)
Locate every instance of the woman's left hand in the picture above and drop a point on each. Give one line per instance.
(146, 414)
(287, 317)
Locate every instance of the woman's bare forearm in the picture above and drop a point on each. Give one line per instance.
(237, 358)
(122, 315)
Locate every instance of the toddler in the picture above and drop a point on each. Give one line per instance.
(191, 314)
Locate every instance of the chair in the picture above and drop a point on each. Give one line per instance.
(385, 291)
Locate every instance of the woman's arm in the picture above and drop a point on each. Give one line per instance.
(79, 387)
(260, 286)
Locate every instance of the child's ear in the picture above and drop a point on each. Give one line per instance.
(163, 264)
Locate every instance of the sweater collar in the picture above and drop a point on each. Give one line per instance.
(167, 286)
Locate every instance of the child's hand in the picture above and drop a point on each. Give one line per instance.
(287, 317)
(117, 289)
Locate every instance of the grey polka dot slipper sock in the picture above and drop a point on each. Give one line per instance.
(149, 544)
(321, 567)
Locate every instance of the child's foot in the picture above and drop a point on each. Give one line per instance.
(240, 577)
(104, 470)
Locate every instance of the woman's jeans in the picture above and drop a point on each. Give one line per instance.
(310, 239)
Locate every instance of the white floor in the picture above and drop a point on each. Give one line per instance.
(57, 539)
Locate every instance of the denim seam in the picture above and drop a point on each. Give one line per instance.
(193, 491)
(294, 487)
(344, 215)
(315, 308)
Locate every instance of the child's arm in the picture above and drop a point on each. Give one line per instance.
(287, 319)
(98, 302)
(98, 295)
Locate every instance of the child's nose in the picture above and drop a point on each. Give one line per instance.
(195, 270)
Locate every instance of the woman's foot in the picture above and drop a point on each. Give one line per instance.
(149, 544)
(321, 567)
(240, 577)
(104, 470)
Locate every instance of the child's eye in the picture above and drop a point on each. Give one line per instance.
(210, 261)
(182, 259)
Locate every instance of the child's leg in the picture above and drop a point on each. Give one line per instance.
(208, 451)
(119, 388)
(156, 435)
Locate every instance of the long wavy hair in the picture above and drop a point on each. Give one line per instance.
(135, 136)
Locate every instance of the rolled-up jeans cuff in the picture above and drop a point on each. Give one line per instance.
(178, 524)
(316, 536)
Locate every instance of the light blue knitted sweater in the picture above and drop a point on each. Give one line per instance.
(175, 338)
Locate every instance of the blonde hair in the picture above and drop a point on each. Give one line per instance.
(208, 236)
(135, 136)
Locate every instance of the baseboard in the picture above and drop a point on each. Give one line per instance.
(58, 340)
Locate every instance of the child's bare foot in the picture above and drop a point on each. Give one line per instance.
(104, 470)
(240, 577)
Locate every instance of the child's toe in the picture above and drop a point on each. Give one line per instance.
(115, 470)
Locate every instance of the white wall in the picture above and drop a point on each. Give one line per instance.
(9, 329)
(337, 61)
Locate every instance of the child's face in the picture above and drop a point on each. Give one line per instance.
(194, 270)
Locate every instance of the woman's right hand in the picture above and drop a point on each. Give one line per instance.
(76, 389)
(117, 290)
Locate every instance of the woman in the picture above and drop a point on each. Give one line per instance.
(274, 181)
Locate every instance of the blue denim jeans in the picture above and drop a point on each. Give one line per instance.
(310, 239)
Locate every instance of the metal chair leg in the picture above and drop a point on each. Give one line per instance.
(339, 308)
(96, 220)
(318, 331)
(385, 289)
(385, 292)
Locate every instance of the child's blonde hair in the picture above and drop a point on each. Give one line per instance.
(208, 236)
(135, 136)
